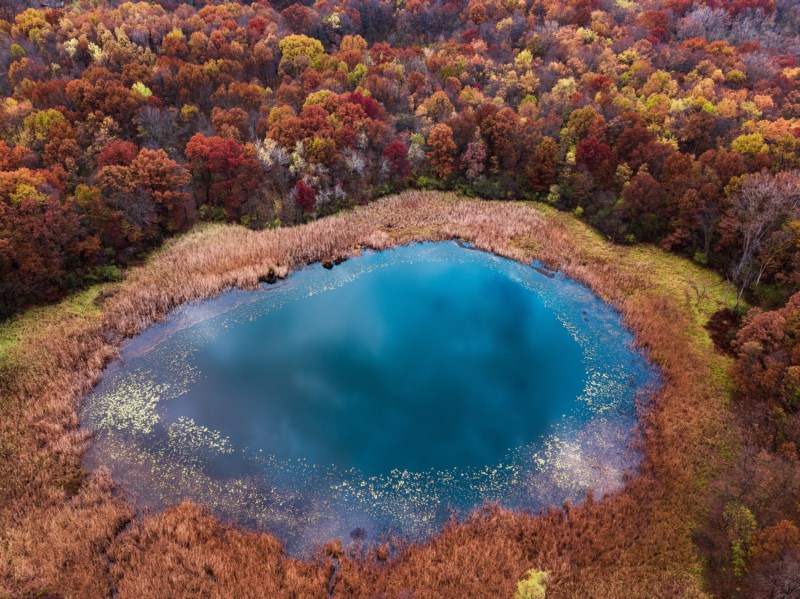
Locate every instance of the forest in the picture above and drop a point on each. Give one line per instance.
(656, 123)
(671, 122)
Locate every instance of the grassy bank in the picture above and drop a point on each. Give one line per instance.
(66, 532)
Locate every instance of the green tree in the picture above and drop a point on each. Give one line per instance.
(532, 587)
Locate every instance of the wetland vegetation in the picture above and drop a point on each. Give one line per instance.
(374, 400)
(649, 524)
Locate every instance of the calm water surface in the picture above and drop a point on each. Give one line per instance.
(379, 398)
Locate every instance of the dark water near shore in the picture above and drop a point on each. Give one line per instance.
(377, 398)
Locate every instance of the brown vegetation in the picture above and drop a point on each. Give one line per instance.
(752, 534)
(65, 531)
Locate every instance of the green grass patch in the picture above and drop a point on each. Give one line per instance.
(36, 321)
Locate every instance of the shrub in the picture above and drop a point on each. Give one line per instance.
(532, 587)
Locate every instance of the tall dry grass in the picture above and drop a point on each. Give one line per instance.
(66, 532)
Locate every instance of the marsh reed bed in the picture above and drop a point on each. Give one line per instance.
(66, 532)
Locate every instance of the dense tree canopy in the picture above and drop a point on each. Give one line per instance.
(654, 120)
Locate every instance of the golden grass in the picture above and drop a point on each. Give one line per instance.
(65, 532)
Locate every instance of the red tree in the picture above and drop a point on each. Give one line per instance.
(41, 240)
(591, 153)
(305, 197)
(117, 152)
(644, 207)
(225, 171)
(396, 154)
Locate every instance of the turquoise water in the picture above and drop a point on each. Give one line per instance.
(377, 398)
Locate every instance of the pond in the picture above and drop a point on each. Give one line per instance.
(378, 398)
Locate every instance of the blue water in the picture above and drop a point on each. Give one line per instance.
(377, 398)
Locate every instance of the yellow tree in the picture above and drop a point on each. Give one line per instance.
(298, 52)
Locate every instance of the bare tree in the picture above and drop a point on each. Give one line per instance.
(711, 23)
(762, 205)
(157, 127)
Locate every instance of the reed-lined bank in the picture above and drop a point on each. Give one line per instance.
(67, 533)
(374, 400)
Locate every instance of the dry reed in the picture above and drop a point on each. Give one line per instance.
(65, 532)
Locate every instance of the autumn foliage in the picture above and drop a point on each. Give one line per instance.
(752, 536)
(66, 531)
(640, 116)
(670, 122)
(304, 196)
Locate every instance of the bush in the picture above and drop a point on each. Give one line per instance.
(771, 296)
(383, 189)
(109, 273)
(532, 587)
(429, 183)
(487, 189)
(212, 214)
